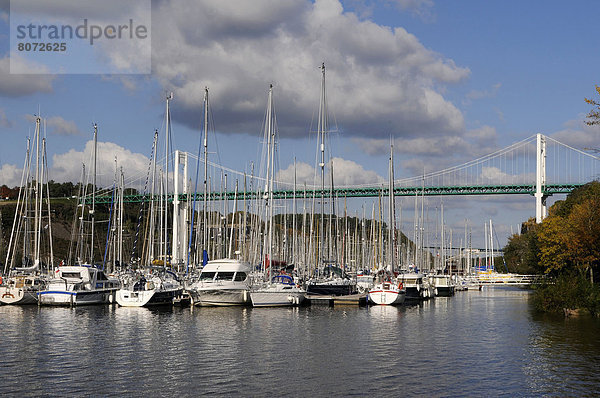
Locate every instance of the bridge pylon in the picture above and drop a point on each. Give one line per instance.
(540, 180)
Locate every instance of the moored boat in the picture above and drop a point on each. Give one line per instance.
(387, 293)
(21, 289)
(143, 290)
(443, 285)
(222, 282)
(416, 286)
(333, 282)
(281, 292)
(79, 285)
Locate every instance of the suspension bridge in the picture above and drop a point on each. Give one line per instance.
(539, 166)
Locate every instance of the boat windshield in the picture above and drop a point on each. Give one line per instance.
(71, 275)
(283, 279)
(225, 276)
(240, 277)
(207, 276)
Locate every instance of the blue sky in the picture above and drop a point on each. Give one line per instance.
(469, 76)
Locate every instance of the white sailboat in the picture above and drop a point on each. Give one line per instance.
(387, 292)
(329, 278)
(156, 287)
(276, 290)
(31, 235)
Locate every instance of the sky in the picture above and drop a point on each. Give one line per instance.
(448, 82)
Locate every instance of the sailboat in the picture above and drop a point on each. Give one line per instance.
(82, 283)
(386, 291)
(32, 228)
(330, 278)
(142, 289)
(276, 290)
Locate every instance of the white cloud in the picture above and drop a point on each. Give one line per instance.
(15, 85)
(380, 80)
(345, 173)
(10, 175)
(60, 126)
(57, 125)
(68, 166)
(435, 153)
(579, 135)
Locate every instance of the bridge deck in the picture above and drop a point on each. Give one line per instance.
(519, 189)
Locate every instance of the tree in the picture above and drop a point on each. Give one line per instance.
(552, 240)
(584, 234)
(594, 115)
(521, 252)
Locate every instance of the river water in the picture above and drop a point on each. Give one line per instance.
(473, 344)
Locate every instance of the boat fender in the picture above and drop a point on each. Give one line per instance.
(1, 281)
(400, 286)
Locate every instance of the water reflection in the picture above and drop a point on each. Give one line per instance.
(472, 344)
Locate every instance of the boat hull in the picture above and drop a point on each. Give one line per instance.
(328, 289)
(17, 296)
(276, 298)
(386, 296)
(413, 293)
(68, 298)
(144, 298)
(445, 291)
(220, 297)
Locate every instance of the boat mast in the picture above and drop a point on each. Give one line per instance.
(151, 231)
(268, 191)
(392, 225)
(92, 211)
(322, 130)
(45, 163)
(166, 192)
(204, 221)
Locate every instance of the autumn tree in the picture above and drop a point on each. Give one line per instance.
(594, 115)
(552, 240)
(583, 238)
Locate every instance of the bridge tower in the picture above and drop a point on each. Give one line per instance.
(180, 213)
(540, 180)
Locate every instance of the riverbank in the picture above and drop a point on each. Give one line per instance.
(570, 293)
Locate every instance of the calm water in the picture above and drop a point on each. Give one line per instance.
(473, 344)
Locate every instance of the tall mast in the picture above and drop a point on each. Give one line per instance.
(322, 130)
(92, 211)
(269, 134)
(38, 189)
(166, 192)
(204, 221)
(152, 201)
(392, 225)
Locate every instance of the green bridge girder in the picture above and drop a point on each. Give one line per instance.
(518, 189)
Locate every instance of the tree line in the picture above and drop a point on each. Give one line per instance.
(566, 247)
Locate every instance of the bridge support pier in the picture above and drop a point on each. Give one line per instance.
(540, 180)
